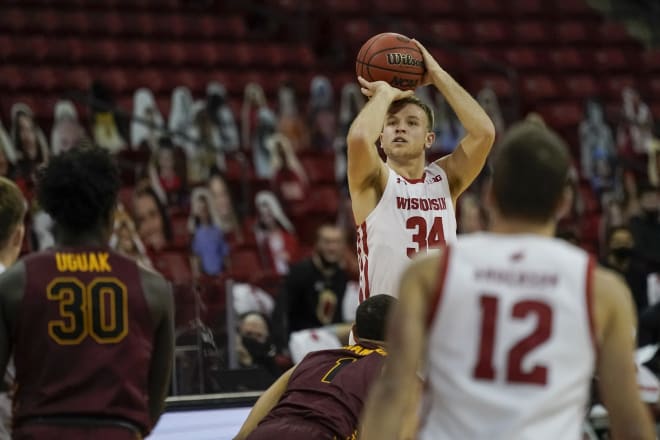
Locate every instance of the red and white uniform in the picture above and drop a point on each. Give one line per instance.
(511, 349)
(411, 217)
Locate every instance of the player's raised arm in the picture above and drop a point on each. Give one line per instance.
(615, 325)
(266, 402)
(365, 167)
(465, 163)
(389, 400)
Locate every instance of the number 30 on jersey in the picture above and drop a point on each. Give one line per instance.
(98, 309)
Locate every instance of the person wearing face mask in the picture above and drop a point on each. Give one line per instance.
(254, 346)
(622, 256)
(645, 224)
(313, 291)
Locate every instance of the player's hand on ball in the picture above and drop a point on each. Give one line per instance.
(370, 89)
(429, 62)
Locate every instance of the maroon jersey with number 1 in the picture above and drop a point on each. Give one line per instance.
(84, 338)
(329, 387)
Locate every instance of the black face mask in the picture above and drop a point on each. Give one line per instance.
(651, 215)
(621, 253)
(258, 350)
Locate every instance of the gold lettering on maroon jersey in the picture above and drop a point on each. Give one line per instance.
(83, 262)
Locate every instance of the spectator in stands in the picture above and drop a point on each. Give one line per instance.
(290, 124)
(622, 256)
(224, 206)
(634, 131)
(222, 116)
(314, 288)
(448, 129)
(147, 124)
(254, 345)
(108, 129)
(645, 224)
(350, 105)
(125, 238)
(487, 98)
(30, 144)
(289, 178)
(255, 112)
(201, 154)
(180, 121)
(167, 175)
(208, 243)
(274, 233)
(152, 221)
(597, 148)
(7, 155)
(67, 131)
(323, 121)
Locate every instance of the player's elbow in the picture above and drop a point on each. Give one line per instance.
(485, 133)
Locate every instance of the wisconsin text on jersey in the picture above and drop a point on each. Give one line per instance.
(421, 203)
(83, 262)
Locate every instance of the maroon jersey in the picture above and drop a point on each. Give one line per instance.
(84, 337)
(329, 387)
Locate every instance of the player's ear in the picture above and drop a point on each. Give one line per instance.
(17, 236)
(564, 203)
(430, 138)
(488, 196)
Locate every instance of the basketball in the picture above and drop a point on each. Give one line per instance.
(393, 58)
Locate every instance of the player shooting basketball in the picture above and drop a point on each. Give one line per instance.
(403, 206)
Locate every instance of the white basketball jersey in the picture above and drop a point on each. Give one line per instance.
(411, 217)
(511, 350)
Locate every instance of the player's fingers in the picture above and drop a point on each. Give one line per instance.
(366, 92)
(363, 82)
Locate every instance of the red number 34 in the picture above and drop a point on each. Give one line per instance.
(422, 237)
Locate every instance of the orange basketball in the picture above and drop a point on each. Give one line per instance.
(393, 58)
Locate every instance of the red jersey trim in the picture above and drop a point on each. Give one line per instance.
(420, 180)
(439, 288)
(588, 290)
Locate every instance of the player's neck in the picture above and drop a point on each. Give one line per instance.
(412, 169)
(80, 239)
(7, 258)
(515, 226)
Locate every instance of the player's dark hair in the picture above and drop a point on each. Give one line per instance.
(414, 100)
(530, 172)
(371, 317)
(78, 188)
(12, 210)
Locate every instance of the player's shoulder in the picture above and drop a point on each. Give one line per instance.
(151, 279)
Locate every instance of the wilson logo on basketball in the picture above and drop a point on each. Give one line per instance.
(404, 83)
(401, 59)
